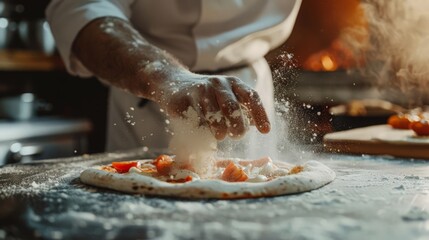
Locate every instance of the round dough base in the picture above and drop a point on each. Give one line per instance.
(314, 175)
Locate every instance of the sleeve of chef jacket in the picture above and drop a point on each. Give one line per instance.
(67, 17)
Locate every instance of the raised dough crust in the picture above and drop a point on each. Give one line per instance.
(313, 176)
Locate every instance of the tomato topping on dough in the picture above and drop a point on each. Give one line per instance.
(296, 169)
(163, 164)
(183, 180)
(421, 128)
(400, 121)
(124, 167)
(233, 173)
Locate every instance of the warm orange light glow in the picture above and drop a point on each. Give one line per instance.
(328, 64)
(337, 56)
(324, 34)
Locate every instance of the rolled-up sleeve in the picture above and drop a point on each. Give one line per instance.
(67, 17)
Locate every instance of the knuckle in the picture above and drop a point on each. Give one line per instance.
(255, 99)
(216, 80)
(250, 97)
(233, 79)
(230, 105)
(254, 94)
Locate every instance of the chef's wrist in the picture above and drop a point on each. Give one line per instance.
(157, 78)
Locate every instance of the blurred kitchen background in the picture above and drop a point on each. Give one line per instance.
(46, 113)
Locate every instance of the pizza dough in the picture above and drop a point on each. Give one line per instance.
(310, 176)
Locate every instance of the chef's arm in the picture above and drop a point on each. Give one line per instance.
(114, 51)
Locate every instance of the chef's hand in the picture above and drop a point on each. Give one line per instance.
(114, 51)
(223, 103)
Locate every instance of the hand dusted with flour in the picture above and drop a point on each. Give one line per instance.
(113, 50)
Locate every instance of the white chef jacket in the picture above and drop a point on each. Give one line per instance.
(205, 35)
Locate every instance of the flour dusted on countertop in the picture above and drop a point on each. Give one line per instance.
(416, 214)
(192, 143)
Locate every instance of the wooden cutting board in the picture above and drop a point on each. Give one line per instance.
(378, 140)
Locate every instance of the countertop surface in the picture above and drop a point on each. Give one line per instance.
(371, 198)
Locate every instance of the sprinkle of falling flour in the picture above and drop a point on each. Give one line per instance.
(193, 144)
